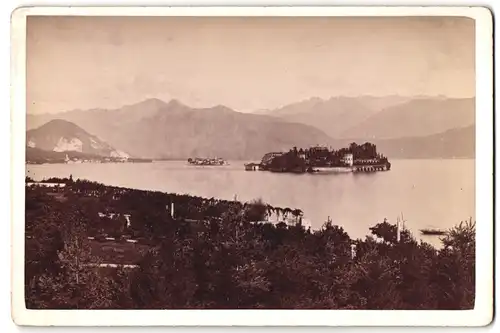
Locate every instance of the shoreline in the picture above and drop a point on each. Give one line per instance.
(169, 198)
(270, 211)
(249, 160)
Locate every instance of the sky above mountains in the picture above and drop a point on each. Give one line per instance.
(244, 63)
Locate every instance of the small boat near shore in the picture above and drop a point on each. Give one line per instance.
(432, 232)
(139, 160)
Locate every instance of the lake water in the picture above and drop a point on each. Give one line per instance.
(429, 193)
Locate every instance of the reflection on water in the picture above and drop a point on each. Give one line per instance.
(430, 193)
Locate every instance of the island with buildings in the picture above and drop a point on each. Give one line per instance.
(355, 158)
(217, 161)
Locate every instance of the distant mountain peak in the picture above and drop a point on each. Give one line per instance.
(59, 121)
(60, 135)
(62, 126)
(223, 108)
(153, 106)
(151, 102)
(175, 103)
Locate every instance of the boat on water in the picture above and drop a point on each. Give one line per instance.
(432, 232)
(207, 161)
(139, 160)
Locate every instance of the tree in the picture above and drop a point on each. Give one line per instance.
(388, 233)
(41, 259)
(454, 271)
(256, 211)
(376, 282)
(75, 285)
(165, 279)
(333, 244)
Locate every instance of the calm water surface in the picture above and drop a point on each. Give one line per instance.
(429, 193)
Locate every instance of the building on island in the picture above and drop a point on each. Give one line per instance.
(367, 161)
(252, 167)
(319, 149)
(348, 159)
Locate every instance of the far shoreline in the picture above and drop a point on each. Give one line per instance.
(247, 160)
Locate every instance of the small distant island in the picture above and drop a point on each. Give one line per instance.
(106, 159)
(355, 158)
(207, 161)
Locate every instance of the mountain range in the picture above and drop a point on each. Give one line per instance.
(453, 143)
(403, 127)
(371, 117)
(155, 129)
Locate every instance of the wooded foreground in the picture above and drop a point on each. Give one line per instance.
(226, 260)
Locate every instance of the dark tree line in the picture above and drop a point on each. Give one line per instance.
(229, 261)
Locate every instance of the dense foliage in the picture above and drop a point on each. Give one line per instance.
(224, 260)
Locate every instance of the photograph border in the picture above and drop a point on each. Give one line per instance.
(481, 315)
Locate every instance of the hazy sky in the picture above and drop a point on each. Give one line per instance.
(244, 63)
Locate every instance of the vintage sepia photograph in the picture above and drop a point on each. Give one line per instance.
(250, 162)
